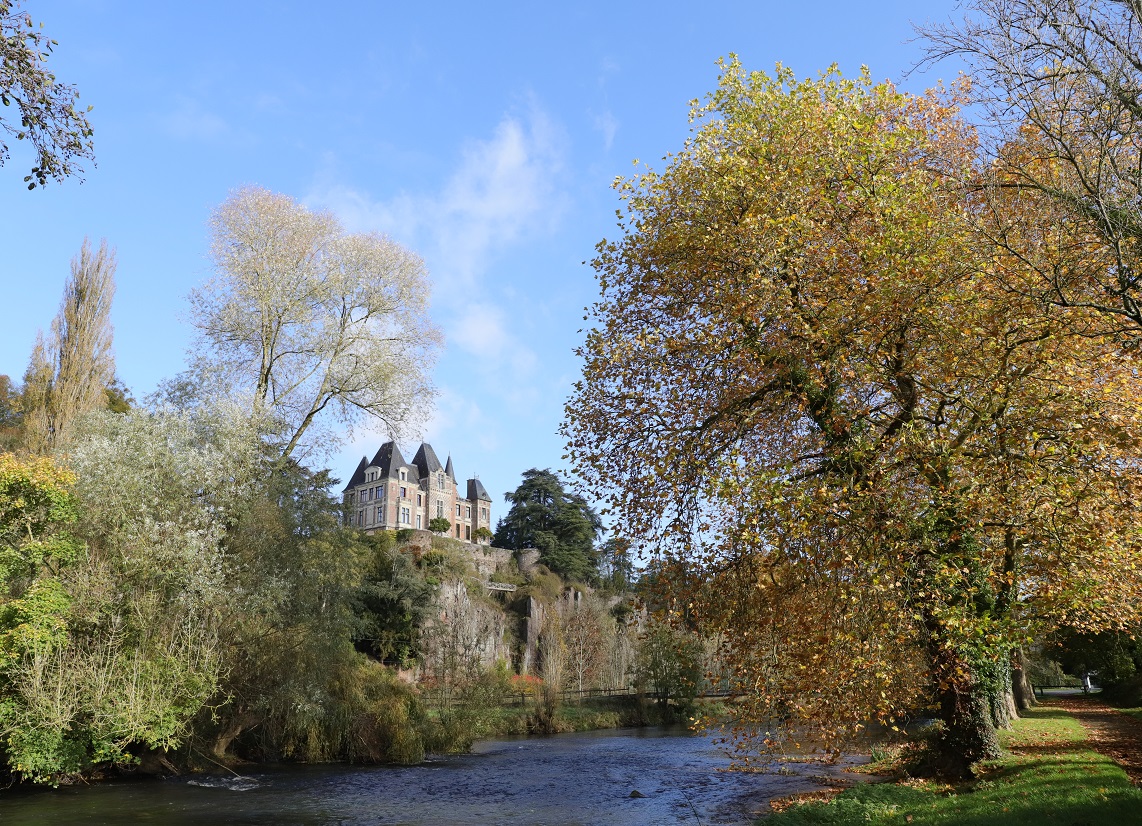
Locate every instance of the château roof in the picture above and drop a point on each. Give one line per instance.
(451, 473)
(358, 476)
(389, 460)
(476, 490)
(426, 461)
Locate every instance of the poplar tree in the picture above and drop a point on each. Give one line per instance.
(69, 371)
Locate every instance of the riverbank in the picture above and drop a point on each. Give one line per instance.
(594, 714)
(1053, 772)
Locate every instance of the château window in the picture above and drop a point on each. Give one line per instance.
(404, 516)
(457, 513)
(484, 514)
(418, 520)
(403, 492)
(418, 500)
(468, 532)
(468, 512)
(403, 476)
(440, 508)
(440, 481)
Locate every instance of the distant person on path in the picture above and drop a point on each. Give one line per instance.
(1086, 683)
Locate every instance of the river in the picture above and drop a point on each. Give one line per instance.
(564, 780)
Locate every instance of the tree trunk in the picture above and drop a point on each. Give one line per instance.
(1024, 693)
(1003, 709)
(237, 724)
(966, 708)
(969, 733)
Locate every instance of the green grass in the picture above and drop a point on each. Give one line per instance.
(1049, 777)
(1133, 712)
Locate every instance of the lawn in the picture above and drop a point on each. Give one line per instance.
(1050, 776)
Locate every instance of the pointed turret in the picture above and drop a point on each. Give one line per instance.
(389, 460)
(449, 470)
(426, 461)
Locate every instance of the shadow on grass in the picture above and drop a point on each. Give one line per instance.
(1053, 776)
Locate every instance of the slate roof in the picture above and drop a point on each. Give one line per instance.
(426, 461)
(476, 490)
(451, 473)
(389, 460)
(358, 476)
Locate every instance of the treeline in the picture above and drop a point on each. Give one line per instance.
(177, 587)
(172, 578)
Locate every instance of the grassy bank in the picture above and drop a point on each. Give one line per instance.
(1049, 776)
(468, 725)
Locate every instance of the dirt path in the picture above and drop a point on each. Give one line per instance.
(1117, 735)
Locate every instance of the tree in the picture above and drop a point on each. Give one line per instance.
(440, 524)
(583, 639)
(37, 507)
(810, 393)
(669, 667)
(561, 525)
(11, 415)
(1059, 83)
(616, 564)
(392, 602)
(307, 318)
(50, 121)
(69, 374)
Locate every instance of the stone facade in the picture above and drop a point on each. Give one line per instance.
(389, 493)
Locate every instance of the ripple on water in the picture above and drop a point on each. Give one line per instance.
(565, 780)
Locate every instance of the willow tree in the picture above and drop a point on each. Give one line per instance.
(308, 319)
(71, 370)
(870, 469)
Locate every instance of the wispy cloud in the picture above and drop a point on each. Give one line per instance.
(608, 125)
(191, 121)
(503, 190)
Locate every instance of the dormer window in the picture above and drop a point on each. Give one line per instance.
(404, 476)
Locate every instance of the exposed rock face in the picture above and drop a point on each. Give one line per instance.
(527, 559)
(465, 637)
(529, 638)
(533, 624)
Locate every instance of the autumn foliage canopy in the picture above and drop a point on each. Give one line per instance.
(872, 465)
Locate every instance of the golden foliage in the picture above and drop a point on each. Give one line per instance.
(876, 466)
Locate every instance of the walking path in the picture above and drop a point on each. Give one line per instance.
(1117, 735)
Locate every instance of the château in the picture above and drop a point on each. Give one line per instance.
(389, 493)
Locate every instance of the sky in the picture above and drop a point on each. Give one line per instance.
(484, 136)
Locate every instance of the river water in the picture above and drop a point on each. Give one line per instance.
(564, 780)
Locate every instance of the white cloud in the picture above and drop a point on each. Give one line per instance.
(191, 121)
(608, 125)
(456, 420)
(503, 189)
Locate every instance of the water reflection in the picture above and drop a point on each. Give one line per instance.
(565, 780)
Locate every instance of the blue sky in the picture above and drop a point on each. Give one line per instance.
(484, 136)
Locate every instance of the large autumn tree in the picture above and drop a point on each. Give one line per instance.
(870, 468)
